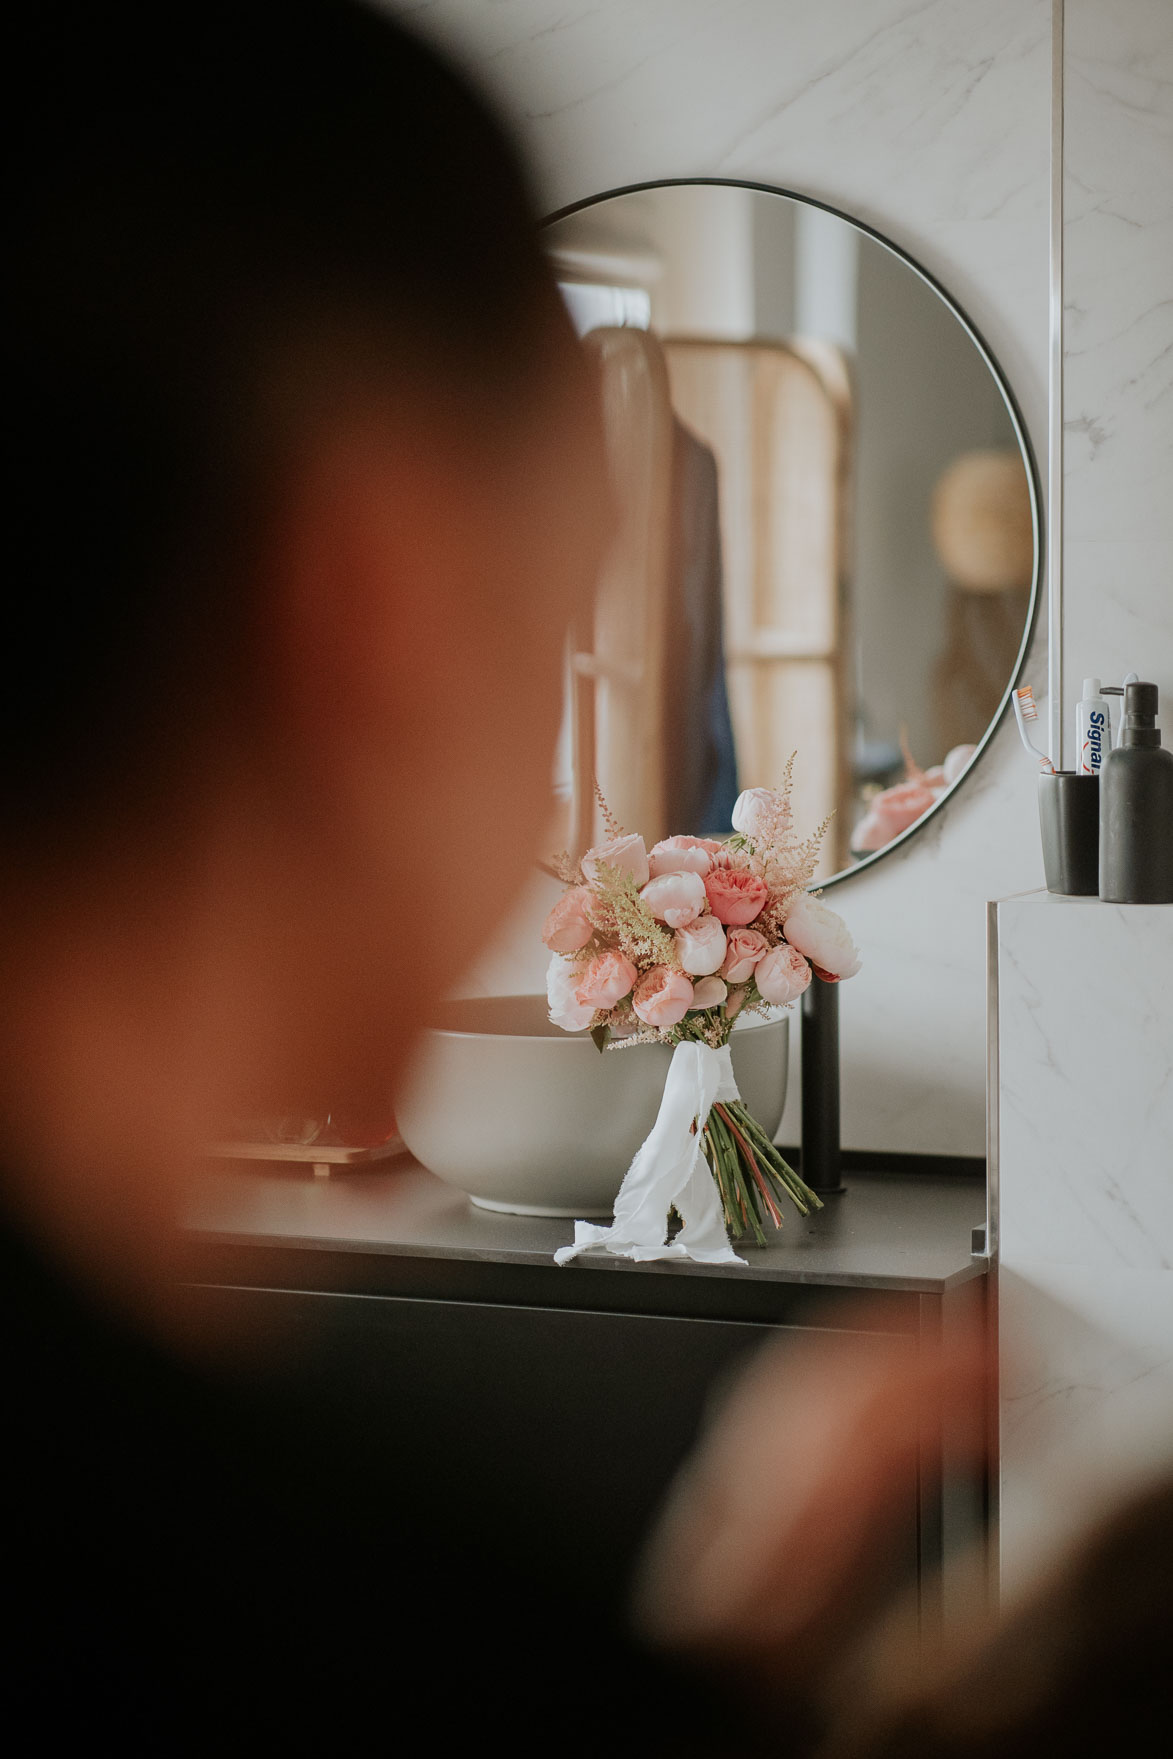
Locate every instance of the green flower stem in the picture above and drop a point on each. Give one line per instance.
(749, 1172)
(802, 1196)
(755, 1131)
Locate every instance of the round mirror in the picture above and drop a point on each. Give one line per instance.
(828, 521)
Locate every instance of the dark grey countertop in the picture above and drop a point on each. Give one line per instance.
(397, 1229)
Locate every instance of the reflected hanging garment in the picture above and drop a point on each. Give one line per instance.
(701, 770)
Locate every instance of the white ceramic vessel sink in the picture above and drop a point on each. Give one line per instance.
(529, 1119)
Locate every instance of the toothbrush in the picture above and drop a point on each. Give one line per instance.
(1024, 711)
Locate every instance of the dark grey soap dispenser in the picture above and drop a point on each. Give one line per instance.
(1136, 807)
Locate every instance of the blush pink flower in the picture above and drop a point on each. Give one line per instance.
(782, 975)
(701, 946)
(680, 855)
(956, 761)
(606, 980)
(628, 854)
(735, 897)
(822, 936)
(568, 928)
(710, 992)
(735, 1003)
(675, 898)
(751, 807)
(566, 1010)
(743, 948)
(662, 996)
(890, 813)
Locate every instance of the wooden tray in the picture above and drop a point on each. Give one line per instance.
(321, 1156)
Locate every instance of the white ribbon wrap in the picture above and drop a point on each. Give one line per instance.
(670, 1171)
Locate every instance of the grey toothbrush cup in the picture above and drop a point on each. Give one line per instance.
(1069, 820)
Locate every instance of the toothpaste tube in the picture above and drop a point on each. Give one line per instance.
(1093, 729)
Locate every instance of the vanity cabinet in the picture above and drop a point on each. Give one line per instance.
(556, 1403)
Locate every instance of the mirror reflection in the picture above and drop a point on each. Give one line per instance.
(826, 538)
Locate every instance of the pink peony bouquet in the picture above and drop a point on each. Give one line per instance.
(670, 945)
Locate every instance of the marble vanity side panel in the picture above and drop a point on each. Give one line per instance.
(1085, 1223)
(930, 120)
(1086, 1411)
(1086, 1083)
(1118, 367)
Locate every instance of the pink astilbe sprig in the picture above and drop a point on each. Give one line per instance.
(623, 920)
(786, 863)
(614, 828)
(563, 866)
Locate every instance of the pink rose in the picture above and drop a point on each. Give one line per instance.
(743, 948)
(710, 992)
(822, 936)
(701, 946)
(662, 996)
(890, 813)
(628, 854)
(735, 1003)
(680, 855)
(606, 980)
(675, 898)
(782, 976)
(566, 1010)
(735, 897)
(568, 928)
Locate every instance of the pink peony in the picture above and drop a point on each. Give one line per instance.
(822, 936)
(744, 947)
(956, 761)
(628, 854)
(701, 946)
(752, 805)
(606, 980)
(748, 808)
(890, 813)
(568, 928)
(782, 975)
(675, 898)
(566, 1010)
(710, 992)
(662, 996)
(735, 897)
(680, 855)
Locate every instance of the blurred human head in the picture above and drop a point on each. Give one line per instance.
(308, 486)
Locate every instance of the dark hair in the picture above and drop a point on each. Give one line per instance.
(1079, 1669)
(197, 194)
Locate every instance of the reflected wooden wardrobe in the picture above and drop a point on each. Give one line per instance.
(778, 418)
(773, 424)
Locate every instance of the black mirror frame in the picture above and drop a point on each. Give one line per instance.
(1008, 398)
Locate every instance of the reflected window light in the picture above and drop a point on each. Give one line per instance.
(563, 775)
(595, 307)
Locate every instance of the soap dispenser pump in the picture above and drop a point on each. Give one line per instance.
(1136, 807)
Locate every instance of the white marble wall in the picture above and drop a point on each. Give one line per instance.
(1084, 1211)
(930, 120)
(1118, 377)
